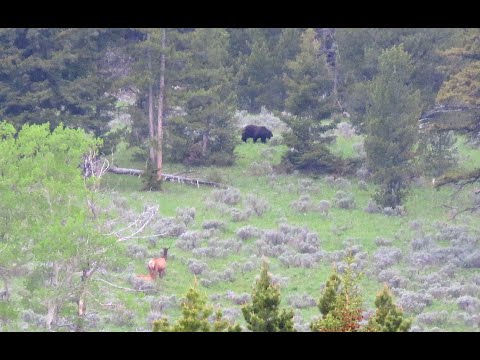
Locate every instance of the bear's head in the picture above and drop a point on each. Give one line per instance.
(268, 133)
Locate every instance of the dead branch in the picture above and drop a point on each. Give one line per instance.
(139, 224)
(431, 120)
(167, 177)
(457, 212)
(461, 179)
(118, 287)
(428, 115)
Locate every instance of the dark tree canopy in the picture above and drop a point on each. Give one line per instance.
(57, 75)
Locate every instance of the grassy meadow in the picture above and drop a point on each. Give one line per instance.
(305, 226)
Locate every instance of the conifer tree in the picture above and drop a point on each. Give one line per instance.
(392, 126)
(309, 101)
(328, 299)
(260, 66)
(208, 98)
(264, 314)
(57, 75)
(341, 303)
(388, 316)
(195, 316)
(460, 92)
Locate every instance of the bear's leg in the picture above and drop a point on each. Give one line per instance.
(255, 139)
(264, 140)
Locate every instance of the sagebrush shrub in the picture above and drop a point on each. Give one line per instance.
(186, 215)
(196, 267)
(189, 240)
(372, 207)
(213, 224)
(258, 205)
(229, 196)
(240, 215)
(301, 301)
(468, 303)
(248, 232)
(344, 200)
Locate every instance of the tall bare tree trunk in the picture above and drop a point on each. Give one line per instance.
(151, 134)
(204, 143)
(86, 275)
(329, 45)
(161, 94)
(5, 294)
(52, 312)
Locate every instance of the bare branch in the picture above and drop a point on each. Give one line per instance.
(458, 212)
(118, 287)
(428, 115)
(462, 179)
(139, 223)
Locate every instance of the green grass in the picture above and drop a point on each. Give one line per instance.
(424, 204)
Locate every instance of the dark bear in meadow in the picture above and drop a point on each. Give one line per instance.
(256, 132)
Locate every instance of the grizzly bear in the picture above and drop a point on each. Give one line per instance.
(256, 132)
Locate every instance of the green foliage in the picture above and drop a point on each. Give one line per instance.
(263, 314)
(388, 317)
(437, 152)
(392, 126)
(309, 100)
(57, 75)
(8, 312)
(307, 81)
(260, 64)
(198, 94)
(47, 210)
(281, 190)
(149, 178)
(341, 303)
(328, 298)
(463, 87)
(195, 316)
(208, 100)
(359, 51)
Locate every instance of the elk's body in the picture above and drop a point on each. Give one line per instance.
(152, 275)
(158, 265)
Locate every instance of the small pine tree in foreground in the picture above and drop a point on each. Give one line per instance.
(341, 303)
(195, 317)
(388, 316)
(263, 314)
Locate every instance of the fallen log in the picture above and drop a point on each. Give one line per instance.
(167, 177)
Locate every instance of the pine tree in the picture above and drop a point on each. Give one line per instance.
(208, 99)
(388, 317)
(309, 99)
(392, 126)
(149, 75)
(341, 303)
(437, 152)
(196, 316)
(460, 92)
(263, 314)
(57, 75)
(259, 72)
(329, 297)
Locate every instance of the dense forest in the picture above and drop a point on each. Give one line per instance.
(135, 197)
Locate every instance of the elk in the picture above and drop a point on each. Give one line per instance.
(152, 275)
(158, 265)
